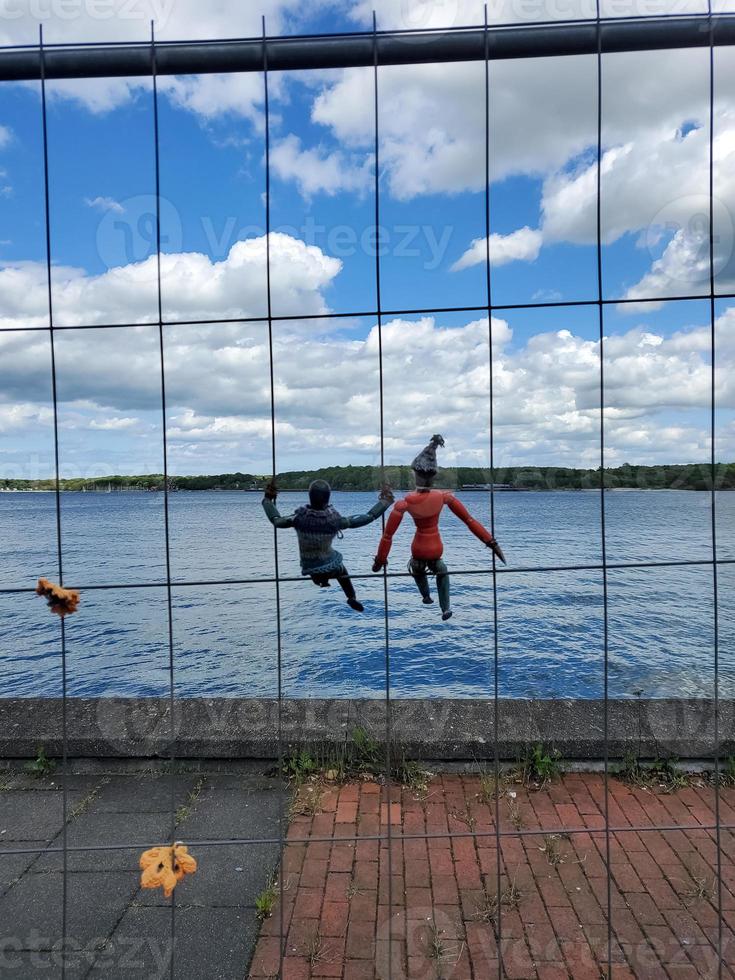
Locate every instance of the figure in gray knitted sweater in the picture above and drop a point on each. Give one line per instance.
(317, 525)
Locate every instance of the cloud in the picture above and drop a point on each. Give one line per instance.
(239, 94)
(317, 170)
(18, 417)
(104, 204)
(423, 15)
(522, 245)
(6, 136)
(114, 424)
(193, 285)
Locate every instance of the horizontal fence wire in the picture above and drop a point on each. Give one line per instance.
(356, 314)
(597, 833)
(500, 570)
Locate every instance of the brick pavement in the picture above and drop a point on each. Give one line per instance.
(352, 903)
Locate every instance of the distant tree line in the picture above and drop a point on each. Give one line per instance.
(694, 476)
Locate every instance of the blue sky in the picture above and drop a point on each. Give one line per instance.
(543, 158)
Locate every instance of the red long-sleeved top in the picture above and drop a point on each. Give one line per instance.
(425, 508)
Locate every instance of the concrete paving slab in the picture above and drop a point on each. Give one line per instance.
(210, 943)
(107, 829)
(139, 793)
(31, 911)
(12, 866)
(221, 814)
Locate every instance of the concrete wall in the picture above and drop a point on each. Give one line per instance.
(426, 729)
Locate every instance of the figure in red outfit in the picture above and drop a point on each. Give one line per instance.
(425, 505)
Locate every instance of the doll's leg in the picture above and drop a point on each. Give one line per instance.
(442, 587)
(321, 580)
(348, 588)
(418, 571)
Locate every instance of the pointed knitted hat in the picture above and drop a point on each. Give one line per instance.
(425, 462)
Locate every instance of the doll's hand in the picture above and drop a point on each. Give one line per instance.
(271, 491)
(379, 563)
(386, 493)
(494, 546)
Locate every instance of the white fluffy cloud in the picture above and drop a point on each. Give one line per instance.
(522, 245)
(192, 286)
(104, 204)
(316, 170)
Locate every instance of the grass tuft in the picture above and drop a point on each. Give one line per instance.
(265, 902)
(41, 766)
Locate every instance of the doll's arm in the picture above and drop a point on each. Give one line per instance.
(477, 529)
(391, 526)
(271, 512)
(360, 520)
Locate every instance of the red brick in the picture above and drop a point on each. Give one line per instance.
(416, 874)
(313, 874)
(334, 918)
(359, 970)
(395, 814)
(337, 885)
(267, 958)
(296, 968)
(330, 960)
(360, 940)
(308, 903)
(444, 889)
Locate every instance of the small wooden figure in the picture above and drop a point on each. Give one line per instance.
(317, 524)
(425, 505)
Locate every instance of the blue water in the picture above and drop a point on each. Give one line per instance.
(550, 624)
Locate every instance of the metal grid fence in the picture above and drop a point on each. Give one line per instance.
(378, 48)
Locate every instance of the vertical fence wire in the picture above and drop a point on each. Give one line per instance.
(603, 529)
(386, 614)
(713, 490)
(491, 417)
(57, 501)
(166, 519)
(271, 371)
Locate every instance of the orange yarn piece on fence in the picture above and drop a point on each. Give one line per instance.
(165, 866)
(60, 600)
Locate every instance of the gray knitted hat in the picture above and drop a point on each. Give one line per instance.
(425, 462)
